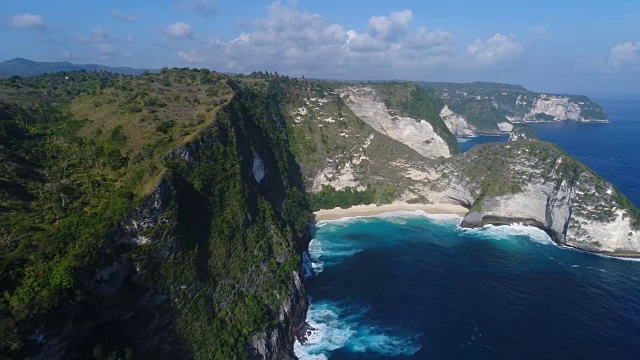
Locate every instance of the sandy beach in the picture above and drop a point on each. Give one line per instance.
(370, 210)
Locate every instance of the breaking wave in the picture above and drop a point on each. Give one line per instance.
(507, 232)
(339, 326)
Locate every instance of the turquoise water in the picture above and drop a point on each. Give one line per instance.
(408, 286)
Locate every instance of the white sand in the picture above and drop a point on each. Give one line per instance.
(369, 210)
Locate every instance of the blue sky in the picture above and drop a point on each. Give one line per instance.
(556, 46)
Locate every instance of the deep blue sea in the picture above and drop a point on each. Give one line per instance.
(412, 286)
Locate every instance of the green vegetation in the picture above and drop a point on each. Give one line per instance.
(523, 131)
(329, 198)
(503, 169)
(129, 204)
(484, 116)
(222, 249)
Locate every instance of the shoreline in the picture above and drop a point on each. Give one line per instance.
(436, 209)
(372, 210)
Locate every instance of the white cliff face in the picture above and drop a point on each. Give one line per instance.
(417, 134)
(555, 209)
(610, 236)
(556, 193)
(505, 126)
(457, 124)
(339, 178)
(343, 175)
(559, 107)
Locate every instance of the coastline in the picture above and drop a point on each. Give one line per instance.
(372, 210)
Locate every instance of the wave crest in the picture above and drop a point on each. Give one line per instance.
(337, 326)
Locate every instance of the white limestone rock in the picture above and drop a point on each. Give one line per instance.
(416, 133)
(505, 126)
(457, 124)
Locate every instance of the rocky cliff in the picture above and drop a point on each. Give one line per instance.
(521, 181)
(523, 132)
(537, 184)
(490, 107)
(207, 265)
(419, 134)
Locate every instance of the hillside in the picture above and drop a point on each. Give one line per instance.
(135, 211)
(25, 67)
(481, 107)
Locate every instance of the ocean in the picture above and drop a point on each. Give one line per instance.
(407, 285)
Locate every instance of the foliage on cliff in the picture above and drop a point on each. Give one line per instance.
(79, 157)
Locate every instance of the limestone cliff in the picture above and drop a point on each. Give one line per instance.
(418, 134)
(485, 106)
(457, 124)
(538, 184)
(165, 216)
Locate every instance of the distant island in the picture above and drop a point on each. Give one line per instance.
(492, 108)
(25, 67)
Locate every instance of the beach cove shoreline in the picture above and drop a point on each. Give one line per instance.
(373, 210)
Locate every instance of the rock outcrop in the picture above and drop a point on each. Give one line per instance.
(457, 124)
(537, 184)
(522, 133)
(485, 106)
(418, 134)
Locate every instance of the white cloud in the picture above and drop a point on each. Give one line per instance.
(621, 57)
(494, 49)
(129, 38)
(179, 30)
(108, 49)
(70, 55)
(123, 16)
(392, 27)
(191, 56)
(297, 42)
(27, 21)
(625, 56)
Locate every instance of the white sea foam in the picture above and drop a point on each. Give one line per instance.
(338, 326)
(322, 252)
(610, 257)
(505, 232)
